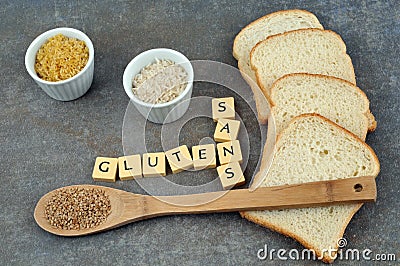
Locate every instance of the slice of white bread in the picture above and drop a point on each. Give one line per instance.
(313, 148)
(258, 30)
(334, 98)
(312, 51)
(271, 24)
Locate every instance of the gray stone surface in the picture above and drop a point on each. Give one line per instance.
(46, 144)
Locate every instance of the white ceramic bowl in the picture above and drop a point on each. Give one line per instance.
(162, 112)
(69, 89)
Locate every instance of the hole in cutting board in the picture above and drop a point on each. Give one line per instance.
(358, 187)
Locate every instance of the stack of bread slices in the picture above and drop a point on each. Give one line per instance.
(320, 115)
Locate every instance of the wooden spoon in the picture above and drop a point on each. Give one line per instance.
(127, 207)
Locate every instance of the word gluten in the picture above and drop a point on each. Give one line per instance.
(180, 159)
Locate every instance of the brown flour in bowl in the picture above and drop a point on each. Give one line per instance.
(60, 58)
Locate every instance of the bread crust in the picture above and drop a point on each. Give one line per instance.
(274, 14)
(372, 122)
(326, 258)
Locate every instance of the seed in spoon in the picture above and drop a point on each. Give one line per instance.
(76, 208)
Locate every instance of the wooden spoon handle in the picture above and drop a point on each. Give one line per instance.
(349, 190)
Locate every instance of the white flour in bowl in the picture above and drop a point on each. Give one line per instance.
(159, 82)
